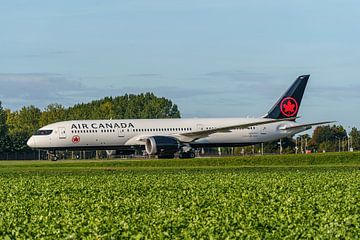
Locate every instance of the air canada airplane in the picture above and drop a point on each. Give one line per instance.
(167, 137)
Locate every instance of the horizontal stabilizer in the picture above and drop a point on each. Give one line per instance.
(306, 125)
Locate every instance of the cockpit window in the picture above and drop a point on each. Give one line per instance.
(43, 132)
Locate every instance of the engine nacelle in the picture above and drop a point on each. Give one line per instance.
(161, 145)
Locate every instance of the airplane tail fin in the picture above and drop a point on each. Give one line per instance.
(288, 105)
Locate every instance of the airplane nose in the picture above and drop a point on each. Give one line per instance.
(31, 142)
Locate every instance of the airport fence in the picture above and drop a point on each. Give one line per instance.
(28, 155)
(43, 155)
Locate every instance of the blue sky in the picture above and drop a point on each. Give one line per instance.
(212, 58)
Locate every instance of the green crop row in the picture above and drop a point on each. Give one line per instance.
(180, 203)
(268, 160)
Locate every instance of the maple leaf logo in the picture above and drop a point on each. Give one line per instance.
(75, 139)
(289, 107)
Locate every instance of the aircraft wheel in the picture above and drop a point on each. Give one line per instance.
(187, 155)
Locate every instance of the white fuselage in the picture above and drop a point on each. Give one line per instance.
(114, 134)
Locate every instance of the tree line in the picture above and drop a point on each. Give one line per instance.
(17, 126)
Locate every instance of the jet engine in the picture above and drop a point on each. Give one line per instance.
(162, 146)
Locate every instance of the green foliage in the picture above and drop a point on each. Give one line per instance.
(3, 128)
(53, 113)
(288, 145)
(355, 138)
(176, 200)
(2, 121)
(125, 107)
(327, 137)
(24, 121)
(21, 124)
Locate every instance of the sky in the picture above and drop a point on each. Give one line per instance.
(212, 58)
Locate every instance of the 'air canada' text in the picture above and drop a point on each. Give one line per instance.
(81, 126)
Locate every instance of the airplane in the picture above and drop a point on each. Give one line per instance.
(166, 137)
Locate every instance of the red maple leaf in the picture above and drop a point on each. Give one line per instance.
(289, 107)
(76, 139)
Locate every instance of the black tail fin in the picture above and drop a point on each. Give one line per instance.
(288, 105)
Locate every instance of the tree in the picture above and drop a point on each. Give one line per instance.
(3, 128)
(327, 138)
(26, 121)
(53, 113)
(128, 106)
(355, 138)
(321, 134)
(21, 124)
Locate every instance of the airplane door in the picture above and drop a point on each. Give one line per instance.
(262, 130)
(62, 133)
(121, 133)
(199, 127)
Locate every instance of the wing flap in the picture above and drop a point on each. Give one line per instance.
(306, 125)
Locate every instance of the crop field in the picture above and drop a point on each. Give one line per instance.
(298, 196)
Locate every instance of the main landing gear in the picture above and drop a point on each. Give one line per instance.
(52, 156)
(189, 154)
(186, 152)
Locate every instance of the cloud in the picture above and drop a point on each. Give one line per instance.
(47, 54)
(41, 89)
(342, 93)
(35, 88)
(146, 75)
(237, 76)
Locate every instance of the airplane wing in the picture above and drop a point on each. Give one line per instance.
(306, 125)
(192, 136)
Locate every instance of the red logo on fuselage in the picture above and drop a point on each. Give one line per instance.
(289, 107)
(75, 139)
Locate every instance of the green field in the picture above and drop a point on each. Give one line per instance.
(291, 196)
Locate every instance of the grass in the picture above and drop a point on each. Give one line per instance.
(290, 196)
